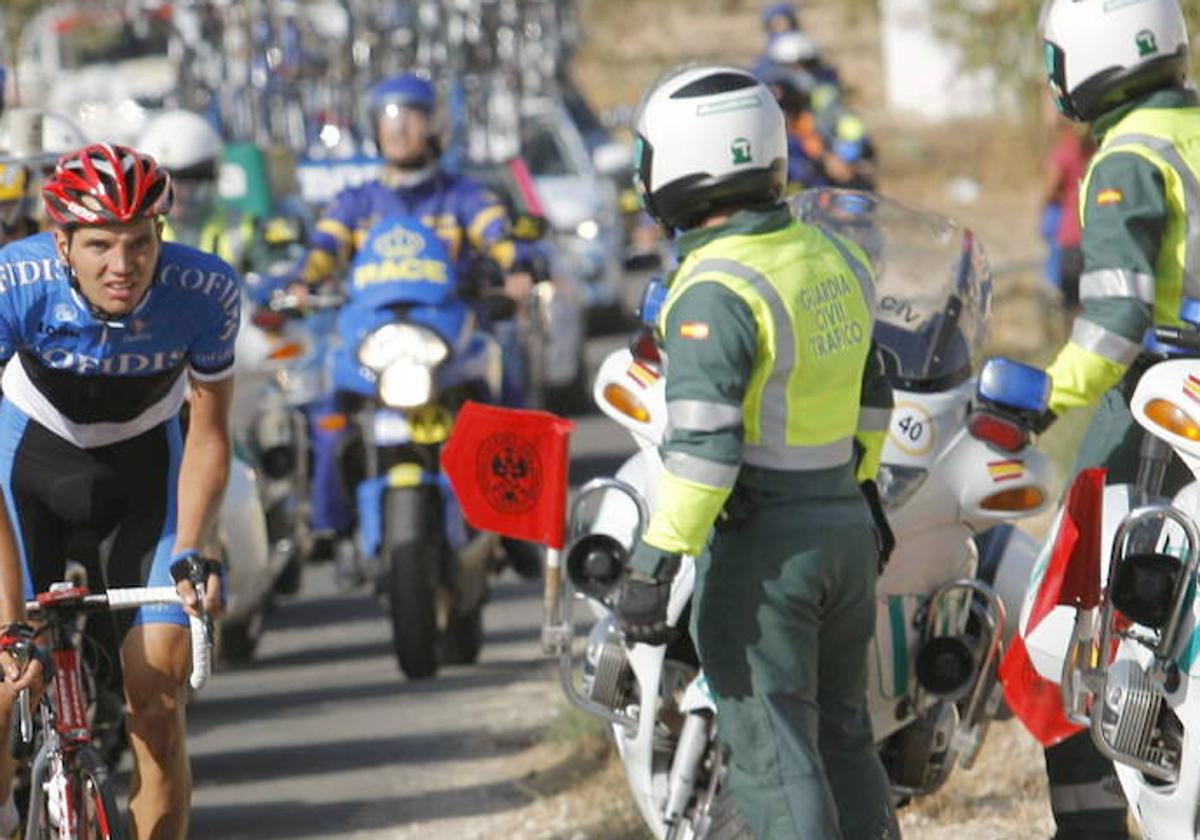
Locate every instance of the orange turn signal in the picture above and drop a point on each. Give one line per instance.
(286, 350)
(332, 422)
(1017, 499)
(625, 402)
(1172, 418)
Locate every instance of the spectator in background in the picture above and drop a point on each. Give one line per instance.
(780, 17)
(1065, 168)
(777, 19)
(820, 154)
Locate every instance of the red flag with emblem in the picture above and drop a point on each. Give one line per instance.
(1072, 578)
(508, 468)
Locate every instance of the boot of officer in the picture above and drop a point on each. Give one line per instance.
(1123, 68)
(774, 425)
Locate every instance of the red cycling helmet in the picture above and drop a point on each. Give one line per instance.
(105, 184)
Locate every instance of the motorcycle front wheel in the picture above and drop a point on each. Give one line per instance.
(411, 601)
(413, 553)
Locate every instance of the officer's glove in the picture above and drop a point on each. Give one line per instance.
(883, 529)
(641, 602)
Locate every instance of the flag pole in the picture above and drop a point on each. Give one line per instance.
(552, 635)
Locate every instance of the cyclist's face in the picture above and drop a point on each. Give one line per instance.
(404, 135)
(113, 264)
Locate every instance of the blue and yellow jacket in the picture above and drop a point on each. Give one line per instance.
(467, 217)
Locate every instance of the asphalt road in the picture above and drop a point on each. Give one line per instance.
(323, 737)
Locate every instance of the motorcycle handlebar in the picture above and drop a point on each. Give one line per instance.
(313, 301)
(1185, 338)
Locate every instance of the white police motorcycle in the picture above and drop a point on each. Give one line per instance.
(956, 467)
(1121, 634)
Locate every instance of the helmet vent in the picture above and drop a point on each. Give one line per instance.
(714, 84)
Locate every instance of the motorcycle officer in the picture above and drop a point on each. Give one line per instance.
(472, 222)
(1122, 67)
(190, 148)
(778, 408)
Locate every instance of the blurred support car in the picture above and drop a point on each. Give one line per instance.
(555, 312)
(103, 68)
(581, 204)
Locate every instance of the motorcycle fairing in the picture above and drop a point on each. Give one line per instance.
(401, 262)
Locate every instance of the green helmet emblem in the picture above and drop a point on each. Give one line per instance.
(1147, 44)
(740, 149)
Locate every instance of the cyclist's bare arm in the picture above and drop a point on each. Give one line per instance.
(12, 605)
(202, 475)
(12, 598)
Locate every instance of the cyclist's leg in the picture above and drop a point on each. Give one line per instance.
(155, 649)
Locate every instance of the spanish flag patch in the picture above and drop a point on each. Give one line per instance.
(1191, 388)
(1006, 470)
(1110, 196)
(695, 330)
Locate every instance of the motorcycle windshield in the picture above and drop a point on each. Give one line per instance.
(933, 285)
(401, 262)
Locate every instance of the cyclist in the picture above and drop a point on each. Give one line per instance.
(103, 330)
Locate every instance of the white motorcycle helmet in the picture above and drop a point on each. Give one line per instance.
(1100, 53)
(707, 137)
(793, 48)
(184, 143)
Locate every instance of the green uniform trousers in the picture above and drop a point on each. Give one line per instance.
(783, 613)
(1084, 792)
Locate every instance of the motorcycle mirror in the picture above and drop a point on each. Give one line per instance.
(1018, 387)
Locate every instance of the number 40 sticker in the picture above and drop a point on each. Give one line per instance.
(912, 429)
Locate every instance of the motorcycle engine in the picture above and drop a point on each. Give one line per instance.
(1135, 720)
(918, 756)
(607, 677)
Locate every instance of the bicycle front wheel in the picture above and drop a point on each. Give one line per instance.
(99, 817)
(75, 803)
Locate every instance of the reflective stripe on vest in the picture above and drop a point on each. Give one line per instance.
(801, 409)
(1170, 140)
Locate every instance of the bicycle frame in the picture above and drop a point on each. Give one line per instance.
(66, 758)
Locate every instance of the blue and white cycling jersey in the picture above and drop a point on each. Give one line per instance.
(95, 382)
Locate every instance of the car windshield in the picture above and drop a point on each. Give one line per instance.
(933, 285)
(548, 150)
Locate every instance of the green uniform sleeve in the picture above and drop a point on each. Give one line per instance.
(711, 342)
(874, 416)
(1125, 215)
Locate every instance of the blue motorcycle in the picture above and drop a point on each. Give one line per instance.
(410, 357)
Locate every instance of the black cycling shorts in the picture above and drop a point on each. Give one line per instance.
(63, 499)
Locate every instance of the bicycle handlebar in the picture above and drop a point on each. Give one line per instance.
(142, 596)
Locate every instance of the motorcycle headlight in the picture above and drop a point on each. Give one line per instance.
(588, 229)
(405, 384)
(408, 342)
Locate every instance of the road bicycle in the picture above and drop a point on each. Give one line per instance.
(71, 792)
